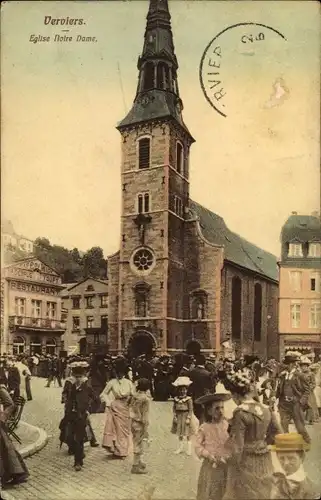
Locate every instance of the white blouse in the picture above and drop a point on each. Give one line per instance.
(117, 389)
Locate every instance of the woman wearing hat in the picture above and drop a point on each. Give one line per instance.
(65, 437)
(117, 396)
(250, 466)
(210, 446)
(292, 483)
(183, 422)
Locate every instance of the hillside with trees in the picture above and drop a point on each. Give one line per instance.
(72, 265)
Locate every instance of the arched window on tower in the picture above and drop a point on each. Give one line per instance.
(236, 307)
(141, 291)
(257, 323)
(148, 76)
(179, 158)
(198, 304)
(144, 152)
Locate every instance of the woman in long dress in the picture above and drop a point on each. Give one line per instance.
(117, 395)
(210, 447)
(12, 467)
(252, 428)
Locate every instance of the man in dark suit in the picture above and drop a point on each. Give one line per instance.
(202, 383)
(11, 374)
(293, 393)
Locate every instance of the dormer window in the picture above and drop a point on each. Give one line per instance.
(144, 153)
(295, 250)
(179, 158)
(90, 288)
(314, 250)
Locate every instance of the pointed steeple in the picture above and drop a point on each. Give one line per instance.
(157, 94)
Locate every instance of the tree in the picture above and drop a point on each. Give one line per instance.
(42, 243)
(94, 263)
(75, 255)
(68, 263)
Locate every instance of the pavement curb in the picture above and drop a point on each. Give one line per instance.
(40, 443)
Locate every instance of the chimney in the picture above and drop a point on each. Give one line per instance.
(294, 213)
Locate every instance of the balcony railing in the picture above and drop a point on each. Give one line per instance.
(36, 323)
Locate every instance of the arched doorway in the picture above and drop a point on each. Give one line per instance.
(193, 348)
(140, 343)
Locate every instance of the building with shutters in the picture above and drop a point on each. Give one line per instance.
(181, 279)
(300, 284)
(86, 306)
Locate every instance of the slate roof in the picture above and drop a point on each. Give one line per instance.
(302, 228)
(151, 105)
(237, 250)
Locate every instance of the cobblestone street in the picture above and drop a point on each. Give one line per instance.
(53, 477)
(174, 477)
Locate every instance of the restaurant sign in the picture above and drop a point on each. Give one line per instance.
(29, 287)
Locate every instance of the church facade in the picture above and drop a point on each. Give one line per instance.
(181, 279)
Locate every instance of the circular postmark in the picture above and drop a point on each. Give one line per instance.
(235, 56)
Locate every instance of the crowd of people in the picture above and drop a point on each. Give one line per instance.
(235, 454)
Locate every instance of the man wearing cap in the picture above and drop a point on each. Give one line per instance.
(292, 483)
(293, 393)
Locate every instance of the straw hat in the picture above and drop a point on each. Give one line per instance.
(182, 382)
(211, 398)
(304, 360)
(292, 441)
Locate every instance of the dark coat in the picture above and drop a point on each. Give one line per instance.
(77, 403)
(12, 380)
(305, 490)
(202, 382)
(300, 387)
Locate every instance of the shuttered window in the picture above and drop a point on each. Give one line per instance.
(144, 153)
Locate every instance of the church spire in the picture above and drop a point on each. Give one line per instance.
(157, 94)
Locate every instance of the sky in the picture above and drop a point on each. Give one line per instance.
(61, 102)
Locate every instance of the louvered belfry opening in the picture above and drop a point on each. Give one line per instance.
(149, 74)
(144, 153)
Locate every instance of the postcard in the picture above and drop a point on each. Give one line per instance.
(161, 244)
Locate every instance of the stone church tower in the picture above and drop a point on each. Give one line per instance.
(165, 283)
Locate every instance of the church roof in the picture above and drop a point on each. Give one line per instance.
(237, 250)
